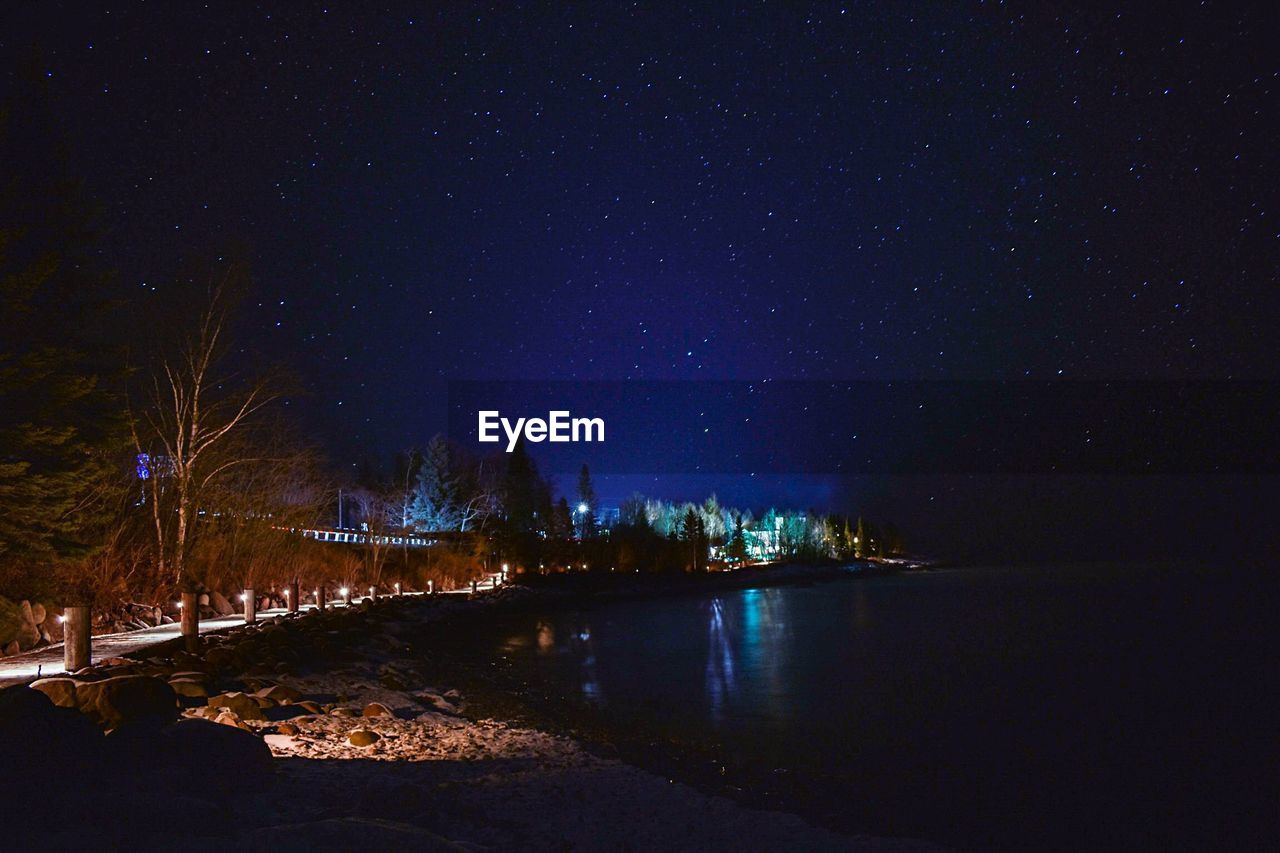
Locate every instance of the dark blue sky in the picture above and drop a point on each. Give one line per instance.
(427, 193)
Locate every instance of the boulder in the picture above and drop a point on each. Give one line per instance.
(363, 737)
(61, 691)
(288, 729)
(219, 603)
(279, 693)
(127, 699)
(310, 707)
(220, 656)
(376, 709)
(190, 687)
(243, 705)
(228, 718)
(40, 741)
(39, 613)
(345, 712)
(28, 634)
(217, 751)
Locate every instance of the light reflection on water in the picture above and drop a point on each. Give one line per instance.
(719, 660)
(922, 705)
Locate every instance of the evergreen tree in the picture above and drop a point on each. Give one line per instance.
(861, 547)
(736, 550)
(63, 442)
(586, 505)
(694, 532)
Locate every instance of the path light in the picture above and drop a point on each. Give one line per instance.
(61, 618)
(179, 603)
(583, 508)
(286, 593)
(397, 587)
(242, 598)
(371, 592)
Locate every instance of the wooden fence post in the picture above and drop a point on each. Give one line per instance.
(191, 620)
(76, 635)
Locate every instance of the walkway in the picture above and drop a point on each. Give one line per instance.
(48, 659)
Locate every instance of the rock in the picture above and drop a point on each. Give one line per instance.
(310, 707)
(453, 696)
(220, 604)
(28, 634)
(189, 687)
(376, 709)
(279, 693)
(243, 705)
(198, 744)
(12, 648)
(203, 599)
(363, 737)
(229, 718)
(38, 613)
(220, 656)
(127, 699)
(61, 691)
(345, 712)
(288, 729)
(39, 740)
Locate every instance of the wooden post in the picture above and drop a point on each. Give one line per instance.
(191, 620)
(294, 593)
(320, 598)
(473, 587)
(76, 652)
(250, 607)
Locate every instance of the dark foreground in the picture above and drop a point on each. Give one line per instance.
(325, 732)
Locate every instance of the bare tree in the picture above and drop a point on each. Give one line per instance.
(189, 412)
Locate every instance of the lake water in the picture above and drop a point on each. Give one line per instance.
(1066, 707)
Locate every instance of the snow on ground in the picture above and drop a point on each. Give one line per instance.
(500, 786)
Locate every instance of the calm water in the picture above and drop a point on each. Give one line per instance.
(1063, 707)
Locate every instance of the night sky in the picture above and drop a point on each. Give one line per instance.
(430, 193)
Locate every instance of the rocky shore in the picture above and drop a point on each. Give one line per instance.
(320, 732)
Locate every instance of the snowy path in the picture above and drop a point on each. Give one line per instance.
(48, 660)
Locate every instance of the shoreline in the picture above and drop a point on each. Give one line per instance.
(312, 687)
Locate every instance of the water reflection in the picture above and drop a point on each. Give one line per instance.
(719, 660)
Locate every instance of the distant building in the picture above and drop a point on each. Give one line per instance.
(607, 517)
